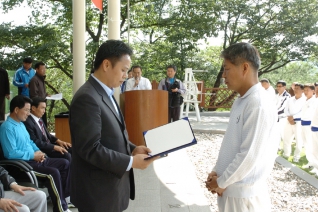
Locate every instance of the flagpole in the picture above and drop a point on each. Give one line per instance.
(79, 65)
(128, 20)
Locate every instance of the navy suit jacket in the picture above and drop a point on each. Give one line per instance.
(38, 138)
(101, 152)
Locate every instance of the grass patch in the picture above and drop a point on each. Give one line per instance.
(302, 159)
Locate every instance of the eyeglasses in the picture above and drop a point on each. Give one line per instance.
(27, 110)
(279, 86)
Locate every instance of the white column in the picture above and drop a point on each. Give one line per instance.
(114, 28)
(79, 65)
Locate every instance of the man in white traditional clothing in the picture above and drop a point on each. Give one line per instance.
(306, 117)
(281, 99)
(267, 86)
(314, 133)
(293, 109)
(249, 147)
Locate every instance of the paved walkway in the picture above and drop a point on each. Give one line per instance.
(170, 184)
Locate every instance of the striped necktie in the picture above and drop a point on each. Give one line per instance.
(43, 131)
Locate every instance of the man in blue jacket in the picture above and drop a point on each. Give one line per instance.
(23, 76)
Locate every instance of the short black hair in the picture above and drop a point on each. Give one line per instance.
(300, 85)
(281, 82)
(264, 80)
(310, 86)
(112, 50)
(37, 65)
(240, 52)
(19, 101)
(316, 83)
(36, 101)
(28, 60)
(173, 67)
(137, 66)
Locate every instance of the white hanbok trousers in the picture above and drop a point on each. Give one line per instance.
(315, 148)
(307, 139)
(281, 127)
(260, 203)
(291, 132)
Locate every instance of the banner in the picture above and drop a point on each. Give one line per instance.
(98, 4)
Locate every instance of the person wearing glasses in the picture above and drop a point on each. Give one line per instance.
(281, 99)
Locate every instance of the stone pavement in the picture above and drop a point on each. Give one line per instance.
(170, 184)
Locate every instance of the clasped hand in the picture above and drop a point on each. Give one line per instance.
(212, 185)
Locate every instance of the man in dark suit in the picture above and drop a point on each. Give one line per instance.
(103, 157)
(4, 91)
(47, 143)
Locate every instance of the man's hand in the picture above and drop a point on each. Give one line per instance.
(64, 144)
(139, 161)
(175, 90)
(39, 156)
(9, 205)
(291, 120)
(19, 189)
(8, 96)
(141, 150)
(136, 81)
(212, 174)
(26, 85)
(60, 149)
(211, 183)
(219, 191)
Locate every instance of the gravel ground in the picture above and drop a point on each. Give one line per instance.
(288, 192)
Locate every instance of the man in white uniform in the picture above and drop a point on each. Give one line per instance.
(316, 89)
(267, 86)
(314, 132)
(293, 125)
(249, 147)
(306, 117)
(281, 99)
(138, 82)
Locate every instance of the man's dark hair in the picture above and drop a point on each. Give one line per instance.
(310, 86)
(137, 66)
(282, 82)
(37, 65)
(112, 50)
(28, 60)
(19, 101)
(36, 101)
(172, 66)
(264, 80)
(300, 85)
(316, 84)
(130, 71)
(241, 52)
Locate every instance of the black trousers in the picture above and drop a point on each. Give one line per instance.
(55, 154)
(2, 107)
(59, 186)
(174, 114)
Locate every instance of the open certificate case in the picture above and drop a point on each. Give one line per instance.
(169, 138)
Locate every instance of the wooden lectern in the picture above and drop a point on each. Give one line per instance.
(62, 127)
(144, 110)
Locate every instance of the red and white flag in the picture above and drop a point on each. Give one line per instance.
(98, 4)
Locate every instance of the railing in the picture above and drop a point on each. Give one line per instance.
(213, 97)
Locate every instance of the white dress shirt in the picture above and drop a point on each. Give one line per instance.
(144, 84)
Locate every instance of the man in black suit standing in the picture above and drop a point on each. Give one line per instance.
(46, 142)
(103, 158)
(4, 91)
